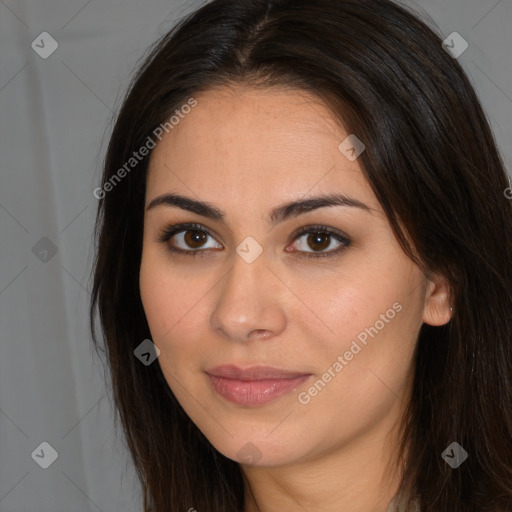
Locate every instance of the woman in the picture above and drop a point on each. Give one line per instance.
(304, 272)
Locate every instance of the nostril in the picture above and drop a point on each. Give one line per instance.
(260, 333)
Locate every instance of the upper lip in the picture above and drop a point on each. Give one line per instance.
(259, 372)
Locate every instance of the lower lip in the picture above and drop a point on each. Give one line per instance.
(254, 392)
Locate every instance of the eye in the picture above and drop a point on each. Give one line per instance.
(193, 237)
(320, 238)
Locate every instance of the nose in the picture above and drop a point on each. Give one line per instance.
(249, 304)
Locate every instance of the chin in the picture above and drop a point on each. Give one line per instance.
(259, 448)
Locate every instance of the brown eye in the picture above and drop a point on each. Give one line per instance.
(188, 239)
(318, 241)
(195, 238)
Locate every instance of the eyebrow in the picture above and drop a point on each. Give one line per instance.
(277, 214)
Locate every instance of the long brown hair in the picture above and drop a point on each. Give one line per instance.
(433, 164)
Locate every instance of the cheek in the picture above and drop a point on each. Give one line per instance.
(158, 304)
(373, 321)
(362, 372)
(353, 304)
(174, 307)
(165, 299)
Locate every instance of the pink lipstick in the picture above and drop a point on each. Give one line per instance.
(255, 385)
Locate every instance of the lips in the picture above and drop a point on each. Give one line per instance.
(230, 371)
(255, 385)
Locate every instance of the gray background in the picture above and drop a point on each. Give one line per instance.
(55, 117)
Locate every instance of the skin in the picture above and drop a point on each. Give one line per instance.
(247, 151)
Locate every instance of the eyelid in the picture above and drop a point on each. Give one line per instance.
(310, 228)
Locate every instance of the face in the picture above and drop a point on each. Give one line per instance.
(322, 293)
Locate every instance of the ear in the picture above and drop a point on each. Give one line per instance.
(437, 301)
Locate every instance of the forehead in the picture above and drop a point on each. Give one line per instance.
(237, 142)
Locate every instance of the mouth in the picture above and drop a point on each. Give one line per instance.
(255, 385)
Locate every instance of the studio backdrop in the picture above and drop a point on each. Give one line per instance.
(64, 67)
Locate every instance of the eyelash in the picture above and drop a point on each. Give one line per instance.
(167, 233)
